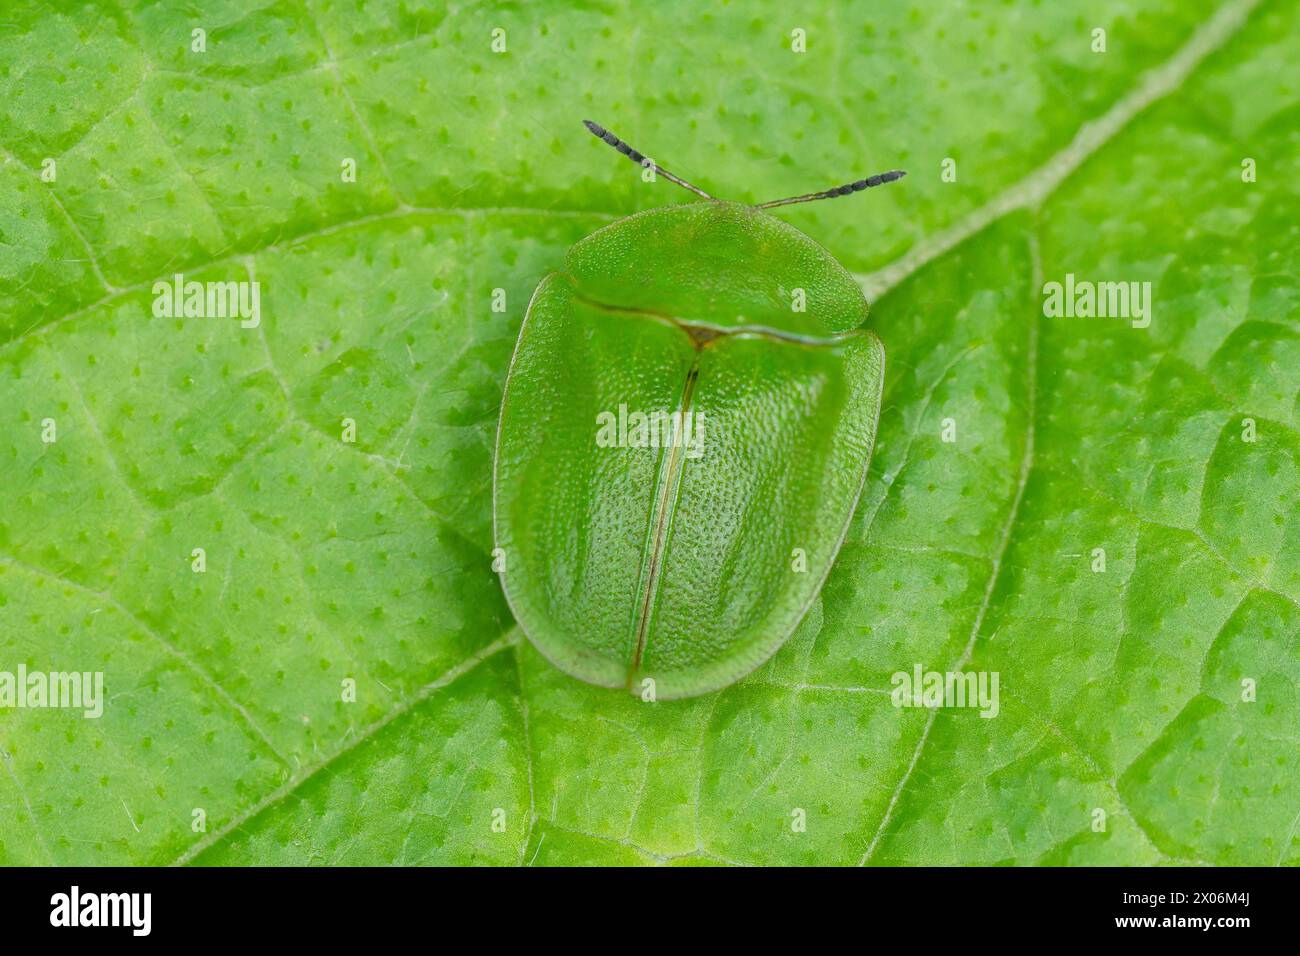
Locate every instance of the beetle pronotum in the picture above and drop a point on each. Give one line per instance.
(692, 400)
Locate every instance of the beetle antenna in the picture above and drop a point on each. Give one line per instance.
(861, 184)
(601, 133)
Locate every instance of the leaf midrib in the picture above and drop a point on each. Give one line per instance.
(510, 639)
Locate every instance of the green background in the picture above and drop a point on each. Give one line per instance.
(1120, 691)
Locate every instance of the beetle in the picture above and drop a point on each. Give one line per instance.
(685, 431)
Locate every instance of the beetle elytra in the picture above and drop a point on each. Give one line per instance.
(684, 434)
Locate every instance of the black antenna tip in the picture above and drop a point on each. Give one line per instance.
(596, 128)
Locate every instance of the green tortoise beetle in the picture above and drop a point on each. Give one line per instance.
(684, 434)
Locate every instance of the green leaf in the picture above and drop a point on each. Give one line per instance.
(329, 561)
